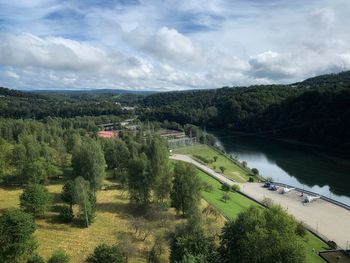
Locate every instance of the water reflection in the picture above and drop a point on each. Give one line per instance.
(292, 164)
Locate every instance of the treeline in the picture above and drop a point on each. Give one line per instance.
(16, 104)
(313, 111)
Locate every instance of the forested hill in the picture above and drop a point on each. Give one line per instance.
(18, 104)
(316, 110)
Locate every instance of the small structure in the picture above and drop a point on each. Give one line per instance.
(172, 134)
(107, 134)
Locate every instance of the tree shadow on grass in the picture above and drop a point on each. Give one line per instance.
(123, 209)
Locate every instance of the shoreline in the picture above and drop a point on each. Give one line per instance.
(333, 154)
(319, 216)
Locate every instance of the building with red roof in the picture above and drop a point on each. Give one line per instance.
(107, 134)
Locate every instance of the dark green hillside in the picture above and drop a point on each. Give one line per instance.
(313, 111)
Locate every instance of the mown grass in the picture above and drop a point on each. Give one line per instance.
(232, 170)
(238, 203)
(112, 221)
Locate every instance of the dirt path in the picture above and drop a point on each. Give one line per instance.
(324, 218)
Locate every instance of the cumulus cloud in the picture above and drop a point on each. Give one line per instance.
(166, 44)
(272, 65)
(163, 45)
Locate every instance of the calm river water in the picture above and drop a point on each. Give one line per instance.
(291, 164)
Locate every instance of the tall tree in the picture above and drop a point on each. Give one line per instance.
(5, 150)
(35, 199)
(139, 180)
(116, 153)
(86, 201)
(17, 241)
(68, 194)
(190, 240)
(158, 154)
(185, 195)
(245, 239)
(88, 161)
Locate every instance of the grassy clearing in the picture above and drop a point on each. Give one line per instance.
(238, 203)
(232, 170)
(112, 220)
(232, 207)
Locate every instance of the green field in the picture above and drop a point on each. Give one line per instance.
(112, 225)
(238, 203)
(232, 170)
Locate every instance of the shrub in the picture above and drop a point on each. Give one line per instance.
(222, 169)
(58, 256)
(226, 187)
(35, 199)
(244, 164)
(255, 171)
(236, 188)
(36, 259)
(226, 197)
(202, 159)
(300, 229)
(332, 244)
(267, 202)
(16, 236)
(105, 253)
(207, 187)
(66, 214)
(251, 180)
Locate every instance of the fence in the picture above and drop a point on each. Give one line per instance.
(315, 194)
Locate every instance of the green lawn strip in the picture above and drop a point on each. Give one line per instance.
(232, 170)
(238, 203)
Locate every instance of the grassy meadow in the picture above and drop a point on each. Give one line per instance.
(112, 225)
(232, 170)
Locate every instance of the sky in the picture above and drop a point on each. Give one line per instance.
(170, 44)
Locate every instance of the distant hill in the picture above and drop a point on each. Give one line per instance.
(316, 110)
(94, 91)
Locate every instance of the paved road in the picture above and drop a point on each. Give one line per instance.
(325, 218)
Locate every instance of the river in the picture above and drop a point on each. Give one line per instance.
(292, 164)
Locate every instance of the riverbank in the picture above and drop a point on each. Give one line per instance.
(322, 217)
(238, 202)
(327, 152)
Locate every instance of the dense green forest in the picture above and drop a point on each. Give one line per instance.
(314, 111)
(17, 104)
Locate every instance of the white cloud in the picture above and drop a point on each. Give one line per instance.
(11, 74)
(272, 65)
(165, 44)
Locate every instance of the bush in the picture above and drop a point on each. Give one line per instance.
(226, 187)
(332, 244)
(104, 253)
(16, 236)
(35, 199)
(236, 188)
(203, 159)
(251, 180)
(267, 202)
(66, 214)
(207, 187)
(222, 169)
(255, 171)
(36, 259)
(58, 256)
(226, 197)
(300, 229)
